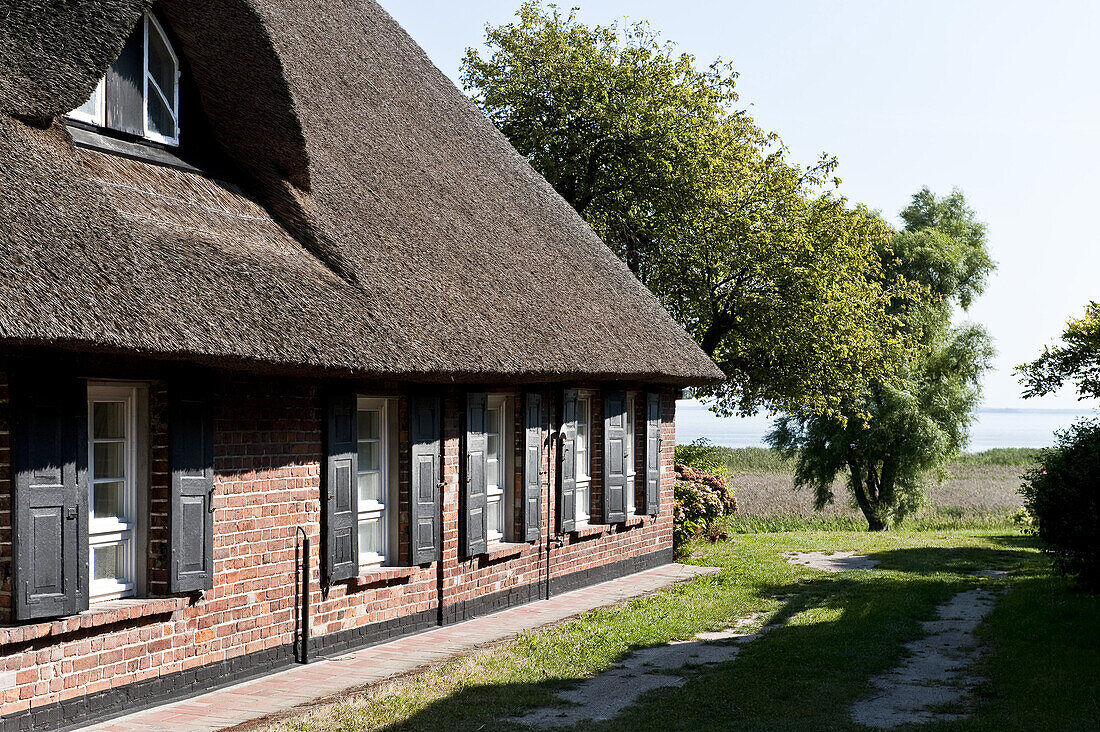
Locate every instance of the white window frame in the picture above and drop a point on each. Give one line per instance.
(583, 460)
(631, 460)
(386, 512)
(174, 105)
(99, 116)
(502, 493)
(128, 532)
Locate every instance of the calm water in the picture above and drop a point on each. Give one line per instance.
(993, 428)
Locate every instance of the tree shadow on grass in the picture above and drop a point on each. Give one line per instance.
(835, 635)
(832, 634)
(956, 560)
(1017, 541)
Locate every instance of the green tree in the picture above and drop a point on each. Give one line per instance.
(772, 273)
(1062, 494)
(893, 439)
(1076, 359)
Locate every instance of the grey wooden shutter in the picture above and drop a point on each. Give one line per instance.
(614, 457)
(50, 498)
(653, 454)
(474, 494)
(124, 105)
(191, 517)
(567, 493)
(424, 415)
(339, 500)
(532, 464)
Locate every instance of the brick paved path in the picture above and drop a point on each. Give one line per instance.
(284, 690)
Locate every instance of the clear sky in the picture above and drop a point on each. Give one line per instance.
(998, 98)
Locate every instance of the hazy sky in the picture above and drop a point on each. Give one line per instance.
(1000, 99)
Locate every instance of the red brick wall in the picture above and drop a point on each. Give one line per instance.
(267, 464)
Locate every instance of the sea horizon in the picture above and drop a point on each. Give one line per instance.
(994, 427)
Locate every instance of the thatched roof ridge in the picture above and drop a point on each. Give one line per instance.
(387, 227)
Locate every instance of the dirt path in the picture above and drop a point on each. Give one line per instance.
(606, 695)
(934, 677)
(830, 561)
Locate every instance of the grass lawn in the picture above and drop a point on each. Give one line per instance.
(1042, 668)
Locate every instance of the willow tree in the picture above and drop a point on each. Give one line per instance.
(892, 441)
(773, 274)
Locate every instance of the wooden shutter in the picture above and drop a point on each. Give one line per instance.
(474, 493)
(123, 100)
(653, 454)
(567, 493)
(532, 464)
(614, 457)
(424, 415)
(191, 463)
(339, 502)
(50, 498)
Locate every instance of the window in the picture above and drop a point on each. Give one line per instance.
(584, 458)
(115, 480)
(140, 93)
(92, 111)
(376, 481)
(498, 435)
(631, 468)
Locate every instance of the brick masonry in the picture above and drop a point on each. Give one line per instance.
(267, 465)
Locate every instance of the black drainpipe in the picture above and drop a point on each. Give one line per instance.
(301, 594)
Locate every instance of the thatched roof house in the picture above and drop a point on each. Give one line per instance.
(363, 216)
(270, 279)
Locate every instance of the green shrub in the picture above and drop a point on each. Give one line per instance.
(701, 499)
(702, 454)
(1022, 518)
(1063, 495)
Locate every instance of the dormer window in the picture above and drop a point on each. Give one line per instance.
(140, 94)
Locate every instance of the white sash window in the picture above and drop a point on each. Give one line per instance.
(140, 94)
(377, 481)
(631, 468)
(115, 474)
(498, 433)
(584, 458)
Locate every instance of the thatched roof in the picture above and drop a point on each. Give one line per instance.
(382, 226)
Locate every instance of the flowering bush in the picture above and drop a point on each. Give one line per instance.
(701, 498)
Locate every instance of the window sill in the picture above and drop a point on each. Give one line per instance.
(582, 532)
(147, 151)
(504, 549)
(374, 575)
(100, 614)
